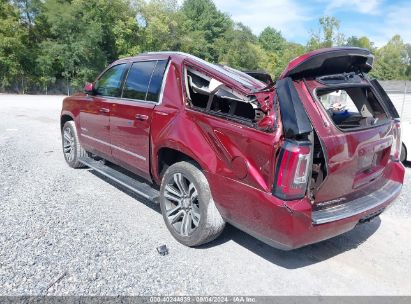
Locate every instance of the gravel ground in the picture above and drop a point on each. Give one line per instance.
(71, 232)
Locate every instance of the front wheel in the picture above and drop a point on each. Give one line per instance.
(187, 206)
(71, 145)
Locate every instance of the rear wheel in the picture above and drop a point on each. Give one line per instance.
(187, 205)
(71, 145)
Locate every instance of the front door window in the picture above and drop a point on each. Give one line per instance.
(109, 84)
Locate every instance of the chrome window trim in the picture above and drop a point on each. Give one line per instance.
(163, 85)
(135, 100)
(113, 146)
(127, 99)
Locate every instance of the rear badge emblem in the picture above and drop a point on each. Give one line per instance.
(332, 202)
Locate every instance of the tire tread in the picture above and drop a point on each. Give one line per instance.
(79, 151)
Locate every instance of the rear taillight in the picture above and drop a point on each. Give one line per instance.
(396, 145)
(293, 170)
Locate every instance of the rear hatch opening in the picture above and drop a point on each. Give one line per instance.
(351, 107)
(364, 136)
(339, 123)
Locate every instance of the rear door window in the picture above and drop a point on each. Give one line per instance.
(109, 84)
(138, 79)
(156, 81)
(144, 80)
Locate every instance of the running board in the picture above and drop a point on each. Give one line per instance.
(140, 188)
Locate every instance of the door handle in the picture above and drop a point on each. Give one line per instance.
(141, 117)
(104, 110)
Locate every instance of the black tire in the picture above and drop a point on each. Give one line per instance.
(75, 151)
(210, 224)
(403, 156)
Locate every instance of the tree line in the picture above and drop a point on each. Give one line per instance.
(45, 42)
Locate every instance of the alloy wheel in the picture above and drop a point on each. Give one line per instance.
(68, 144)
(182, 205)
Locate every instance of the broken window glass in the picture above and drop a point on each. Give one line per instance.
(207, 94)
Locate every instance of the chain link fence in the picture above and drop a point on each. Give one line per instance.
(400, 94)
(398, 91)
(59, 87)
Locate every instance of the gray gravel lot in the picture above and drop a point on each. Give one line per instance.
(71, 232)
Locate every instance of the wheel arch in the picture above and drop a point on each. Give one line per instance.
(65, 118)
(167, 156)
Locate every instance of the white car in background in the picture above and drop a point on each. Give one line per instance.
(406, 141)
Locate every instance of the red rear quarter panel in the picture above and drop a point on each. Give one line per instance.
(221, 147)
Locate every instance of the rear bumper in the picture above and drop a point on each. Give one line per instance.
(358, 206)
(293, 224)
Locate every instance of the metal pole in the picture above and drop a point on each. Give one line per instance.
(403, 100)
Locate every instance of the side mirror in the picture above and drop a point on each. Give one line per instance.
(89, 88)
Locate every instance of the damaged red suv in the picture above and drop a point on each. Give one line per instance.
(292, 163)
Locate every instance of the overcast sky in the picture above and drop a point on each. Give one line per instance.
(377, 19)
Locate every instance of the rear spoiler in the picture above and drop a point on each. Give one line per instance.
(329, 61)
